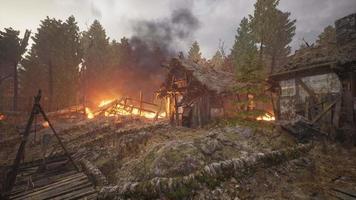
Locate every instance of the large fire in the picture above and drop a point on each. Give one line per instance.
(89, 113)
(118, 109)
(105, 102)
(266, 117)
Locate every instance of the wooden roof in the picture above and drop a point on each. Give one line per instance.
(318, 59)
(213, 79)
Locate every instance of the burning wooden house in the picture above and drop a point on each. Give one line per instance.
(195, 94)
(318, 85)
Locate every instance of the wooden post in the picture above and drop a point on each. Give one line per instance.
(176, 109)
(11, 176)
(140, 102)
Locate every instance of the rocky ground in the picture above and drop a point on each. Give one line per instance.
(130, 151)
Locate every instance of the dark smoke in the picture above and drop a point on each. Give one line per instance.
(153, 42)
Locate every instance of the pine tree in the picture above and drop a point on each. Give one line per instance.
(249, 71)
(280, 36)
(194, 53)
(33, 75)
(95, 45)
(327, 37)
(261, 21)
(11, 50)
(217, 61)
(57, 52)
(272, 30)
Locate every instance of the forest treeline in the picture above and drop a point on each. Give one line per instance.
(72, 66)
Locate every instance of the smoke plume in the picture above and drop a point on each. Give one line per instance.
(153, 42)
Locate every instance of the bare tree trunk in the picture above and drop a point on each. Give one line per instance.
(50, 85)
(16, 87)
(273, 63)
(261, 51)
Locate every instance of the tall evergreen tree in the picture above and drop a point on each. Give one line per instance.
(280, 36)
(327, 37)
(217, 61)
(272, 30)
(194, 53)
(96, 47)
(249, 70)
(57, 51)
(261, 20)
(11, 50)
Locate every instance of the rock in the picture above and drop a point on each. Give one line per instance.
(210, 147)
(247, 133)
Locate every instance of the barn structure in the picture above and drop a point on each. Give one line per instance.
(195, 94)
(318, 85)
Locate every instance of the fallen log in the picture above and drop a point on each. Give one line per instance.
(211, 174)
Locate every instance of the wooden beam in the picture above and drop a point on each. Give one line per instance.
(318, 117)
(310, 91)
(310, 70)
(140, 102)
(58, 138)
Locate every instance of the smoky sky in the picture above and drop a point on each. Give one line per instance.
(213, 20)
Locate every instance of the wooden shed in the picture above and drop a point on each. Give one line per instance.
(195, 94)
(318, 85)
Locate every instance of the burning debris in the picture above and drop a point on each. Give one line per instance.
(126, 107)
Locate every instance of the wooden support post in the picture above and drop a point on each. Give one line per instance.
(11, 176)
(327, 108)
(140, 102)
(176, 109)
(59, 139)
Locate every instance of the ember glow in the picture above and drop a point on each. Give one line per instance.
(2, 117)
(266, 117)
(89, 113)
(45, 124)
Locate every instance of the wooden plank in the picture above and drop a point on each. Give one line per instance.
(327, 108)
(348, 192)
(81, 193)
(70, 191)
(340, 196)
(41, 182)
(53, 185)
(54, 189)
(92, 197)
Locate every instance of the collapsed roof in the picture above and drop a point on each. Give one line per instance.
(213, 79)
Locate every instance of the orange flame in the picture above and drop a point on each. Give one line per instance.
(105, 102)
(2, 117)
(119, 109)
(89, 113)
(45, 124)
(266, 117)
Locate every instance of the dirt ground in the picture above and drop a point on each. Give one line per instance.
(127, 150)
